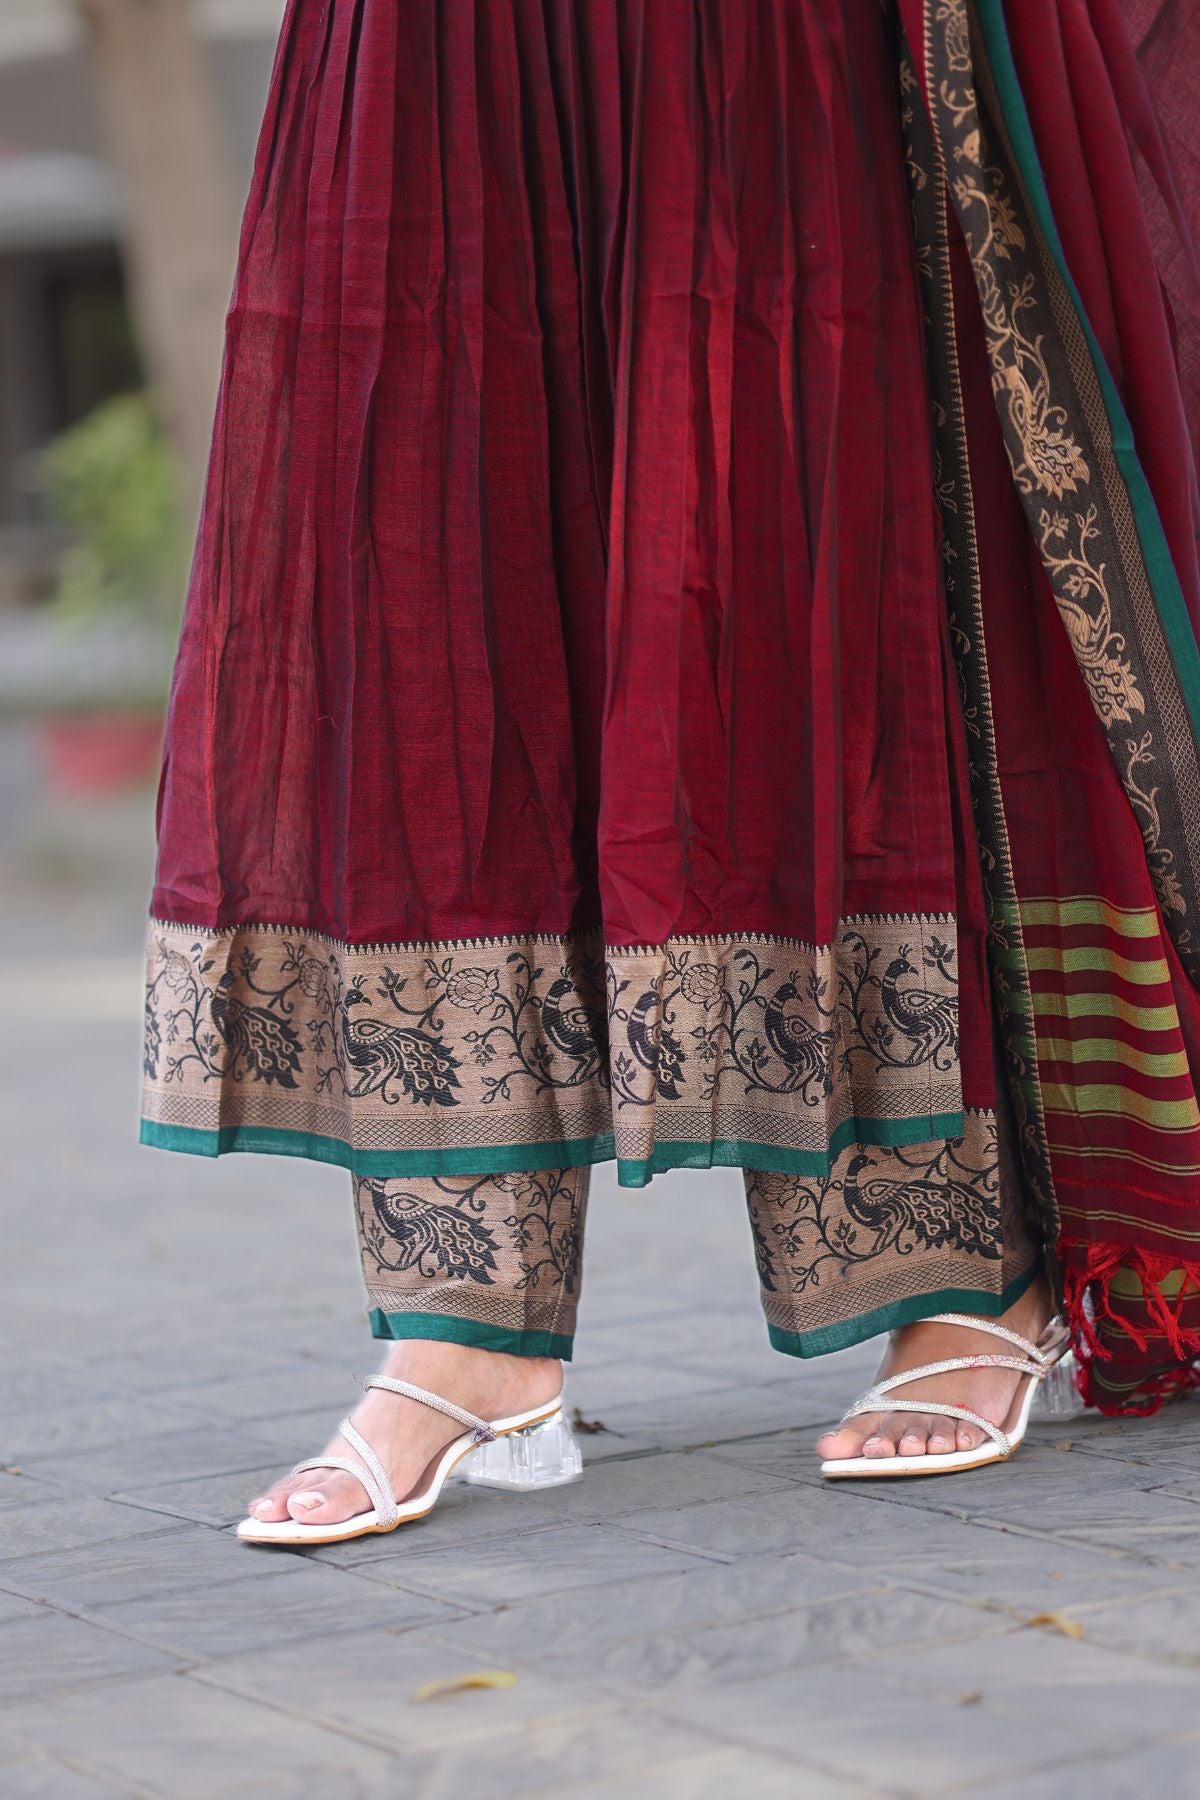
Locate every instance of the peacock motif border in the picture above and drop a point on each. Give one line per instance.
(538, 1051)
(886, 1228)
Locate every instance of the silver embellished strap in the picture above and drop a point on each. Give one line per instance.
(998, 1437)
(385, 1501)
(364, 1476)
(483, 1431)
(949, 1365)
(970, 1323)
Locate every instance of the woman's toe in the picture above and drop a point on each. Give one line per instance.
(885, 1437)
(326, 1497)
(272, 1507)
(304, 1503)
(837, 1445)
(969, 1437)
(943, 1438)
(914, 1435)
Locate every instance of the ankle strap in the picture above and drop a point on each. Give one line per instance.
(971, 1323)
(483, 1431)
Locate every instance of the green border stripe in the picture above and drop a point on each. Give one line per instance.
(560, 1153)
(741, 1153)
(1109, 1006)
(902, 1312)
(1163, 1066)
(446, 1329)
(1099, 1097)
(1084, 909)
(266, 1140)
(1160, 568)
(1152, 972)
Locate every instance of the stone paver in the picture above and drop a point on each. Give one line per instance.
(699, 1617)
(177, 1736)
(53, 1652)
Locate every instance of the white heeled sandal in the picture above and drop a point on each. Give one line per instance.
(528, 1450)
(1050, 1359)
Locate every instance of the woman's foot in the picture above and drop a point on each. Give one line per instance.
(988, 1392)
(404, 1434)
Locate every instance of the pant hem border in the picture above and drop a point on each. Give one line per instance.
(828, 1338)
(396, 1327)
(563, 1153)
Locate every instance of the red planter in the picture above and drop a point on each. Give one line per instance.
(101, 753)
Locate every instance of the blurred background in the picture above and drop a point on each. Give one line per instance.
(126, 140)
(127, 134)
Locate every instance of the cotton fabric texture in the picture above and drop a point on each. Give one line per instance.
(624, 707)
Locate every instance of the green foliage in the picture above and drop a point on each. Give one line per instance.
(111, 482)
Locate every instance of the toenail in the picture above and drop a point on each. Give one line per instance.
(261, 1507)
(308, 1501)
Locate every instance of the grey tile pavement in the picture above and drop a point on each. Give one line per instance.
(699, 1617)
(1160, 1768)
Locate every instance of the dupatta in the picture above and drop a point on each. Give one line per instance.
(1059, 278)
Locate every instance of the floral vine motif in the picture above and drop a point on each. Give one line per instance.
(898, 1027)
(215, 1029)
(918, 176)
(547, 1224)
(1161, 859)
(407, 1229)
(1086, 611)
(1051, 460)
(886, 1201)
(952, 14)
(223, 1034)
(529, 1026)
(775, 1036)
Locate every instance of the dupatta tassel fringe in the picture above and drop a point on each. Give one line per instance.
(1126, 1307)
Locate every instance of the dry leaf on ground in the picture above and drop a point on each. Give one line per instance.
(588, 1426)
(1052, 1621)
(457, 1684)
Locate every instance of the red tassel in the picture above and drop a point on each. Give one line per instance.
(1102, 1334)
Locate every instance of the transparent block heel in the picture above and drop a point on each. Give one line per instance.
(1058, 1397)
(545, 1455)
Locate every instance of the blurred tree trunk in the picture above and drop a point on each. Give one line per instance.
(164, 140)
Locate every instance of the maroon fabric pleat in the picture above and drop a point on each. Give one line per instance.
(1160, 105)
(569, 554)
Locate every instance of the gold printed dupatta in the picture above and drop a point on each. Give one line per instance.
(1084, 739)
